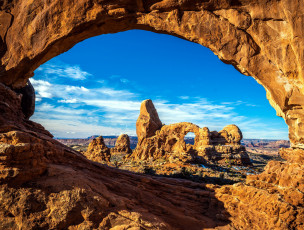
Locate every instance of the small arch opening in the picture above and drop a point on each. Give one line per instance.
(189, 138)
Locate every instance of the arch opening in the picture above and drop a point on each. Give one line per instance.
(189, 138)
(82, 94)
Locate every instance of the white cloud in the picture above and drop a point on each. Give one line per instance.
(76, 88)
(76, 73)
(73, 72)
(123, 80)
(111, 105)
(68, 101)
(236, 103)
(42, 88)
(184, 97)
(114, 92)
(79, 129)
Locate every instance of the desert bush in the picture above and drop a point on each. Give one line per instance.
(148, 170)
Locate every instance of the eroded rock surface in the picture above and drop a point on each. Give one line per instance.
(168, 141)
(272, 200)
(98, 151)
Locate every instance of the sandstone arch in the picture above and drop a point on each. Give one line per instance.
(257, 37)
(237, 31)
(263, 39)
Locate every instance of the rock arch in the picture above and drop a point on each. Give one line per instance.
(257, 37)
(263, 39)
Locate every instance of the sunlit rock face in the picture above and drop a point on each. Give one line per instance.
(47, 185)
(148, 121)
(168, 141)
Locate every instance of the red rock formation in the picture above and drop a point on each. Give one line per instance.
(223, 147)
(98, 151)
(167, 141)
(122, 145)
(46, 185)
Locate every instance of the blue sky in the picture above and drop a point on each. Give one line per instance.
(96, 88)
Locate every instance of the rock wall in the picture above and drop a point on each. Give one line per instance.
(46, 185)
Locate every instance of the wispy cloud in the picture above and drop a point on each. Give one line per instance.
(237, 103)
(72, 72)
(42, 89)
(68, 101)
(123, 80)
(184, 97)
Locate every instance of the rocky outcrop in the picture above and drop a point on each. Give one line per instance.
(98, 151)
(272, 200)
(263, 39)
(223, 147)
(167, 141)
(122, 145)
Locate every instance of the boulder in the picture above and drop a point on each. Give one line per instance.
(28, 99)
(232, 134)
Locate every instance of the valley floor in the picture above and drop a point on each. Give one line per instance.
(211, 173)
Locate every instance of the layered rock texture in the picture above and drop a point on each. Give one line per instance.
(98, 151)
(122, 145)
(167, 141)
(47, 185)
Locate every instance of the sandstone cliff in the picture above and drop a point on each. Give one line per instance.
(46, 185)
